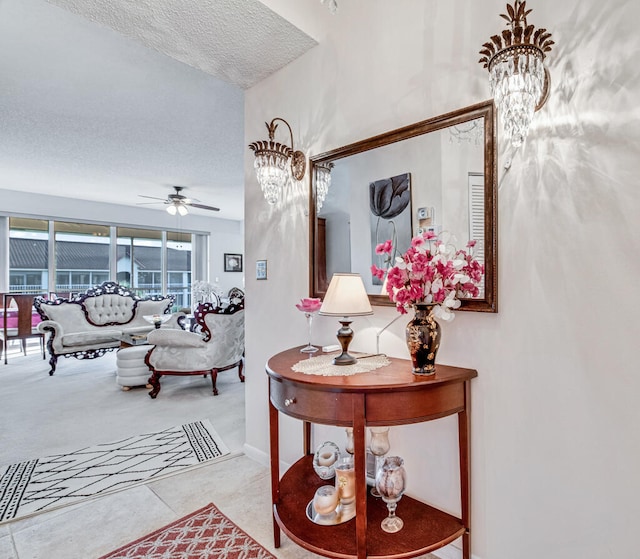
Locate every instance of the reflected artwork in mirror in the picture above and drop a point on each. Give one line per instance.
(436, 175)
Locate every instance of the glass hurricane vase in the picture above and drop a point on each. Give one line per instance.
(378, 446)
(391, 480)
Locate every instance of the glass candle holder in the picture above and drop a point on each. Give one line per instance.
(325, 458)
(346, 484)
(378, 446)
(349, 446)
(391, 481)
(325, 500)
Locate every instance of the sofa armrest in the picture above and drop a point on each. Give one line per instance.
(176, 321)
(175, 338)
(56, 332)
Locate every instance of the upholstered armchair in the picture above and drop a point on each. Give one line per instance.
(217, 346)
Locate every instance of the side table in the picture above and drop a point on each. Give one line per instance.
(391, 395)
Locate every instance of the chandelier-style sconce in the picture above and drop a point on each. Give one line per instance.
(518, 78)
(323, 182)
(276, 163)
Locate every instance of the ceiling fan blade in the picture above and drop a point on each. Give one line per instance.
(152, 197)
(203, 207)
(149, 203)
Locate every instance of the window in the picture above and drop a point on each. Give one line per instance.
(28, 255)
(82, 250)
(179, 268)
(148, 261)
(139, 262)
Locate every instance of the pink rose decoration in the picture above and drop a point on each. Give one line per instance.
(309, 304)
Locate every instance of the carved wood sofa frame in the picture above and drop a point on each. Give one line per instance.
(82, 301)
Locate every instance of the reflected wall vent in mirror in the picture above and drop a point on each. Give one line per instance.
(276, 163)
(518, 77)
(449, 187)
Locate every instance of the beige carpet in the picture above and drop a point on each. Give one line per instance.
(81, 405)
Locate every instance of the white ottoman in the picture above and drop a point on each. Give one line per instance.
(131, 369)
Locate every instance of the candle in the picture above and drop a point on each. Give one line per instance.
(325, 500)
(346, 481)
(326, 458)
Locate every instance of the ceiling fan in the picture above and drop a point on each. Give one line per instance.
(177, 202)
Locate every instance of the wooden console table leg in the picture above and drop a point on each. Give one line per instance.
(275, 468)
(360, 465)
(306, 437)
(464, 427)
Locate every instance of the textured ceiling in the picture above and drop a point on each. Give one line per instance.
(239, 41)
(106, 101)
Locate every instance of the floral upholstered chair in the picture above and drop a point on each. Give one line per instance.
(217, 346)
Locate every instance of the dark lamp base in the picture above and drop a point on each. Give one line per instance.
(345, 335)
(345, 359)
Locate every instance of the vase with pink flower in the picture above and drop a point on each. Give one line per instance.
(309, 306)
(430, 277)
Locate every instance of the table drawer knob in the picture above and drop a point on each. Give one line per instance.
(289, 401)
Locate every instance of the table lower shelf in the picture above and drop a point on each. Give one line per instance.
(425, 528)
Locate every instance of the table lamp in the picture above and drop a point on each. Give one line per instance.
(346, 297)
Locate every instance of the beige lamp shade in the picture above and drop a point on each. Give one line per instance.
(346, 296)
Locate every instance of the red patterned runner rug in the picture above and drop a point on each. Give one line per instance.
(203, 534)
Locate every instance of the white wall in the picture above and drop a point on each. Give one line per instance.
(554, 449)
(225, 235)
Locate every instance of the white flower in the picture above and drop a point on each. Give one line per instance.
(461, 278)
(436, 285)
(400, 263)
(450, 301)
(443, 313)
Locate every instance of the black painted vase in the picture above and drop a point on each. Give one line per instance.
(423, 339)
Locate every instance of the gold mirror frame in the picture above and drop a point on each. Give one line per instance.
(485, 110)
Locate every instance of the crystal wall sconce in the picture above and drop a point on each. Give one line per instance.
(518, 77)
(276, 163)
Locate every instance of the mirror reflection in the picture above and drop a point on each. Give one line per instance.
(436, 175)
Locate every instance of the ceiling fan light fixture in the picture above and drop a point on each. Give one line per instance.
(177, 203)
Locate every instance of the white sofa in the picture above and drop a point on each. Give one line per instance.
(95, 322)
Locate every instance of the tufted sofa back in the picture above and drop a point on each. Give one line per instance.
(109, 309)
(109, 304)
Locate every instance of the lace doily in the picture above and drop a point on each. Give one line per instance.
(323, 365)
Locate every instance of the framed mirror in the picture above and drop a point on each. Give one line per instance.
(445, 168)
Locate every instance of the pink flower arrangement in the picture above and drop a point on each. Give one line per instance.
(431, 271)
(309, 305)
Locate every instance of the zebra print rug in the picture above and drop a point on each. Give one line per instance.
(43, 484)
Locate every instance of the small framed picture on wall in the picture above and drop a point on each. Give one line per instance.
(261, 269)
(232, 262)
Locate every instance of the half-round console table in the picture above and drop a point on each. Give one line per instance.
(391, 395)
